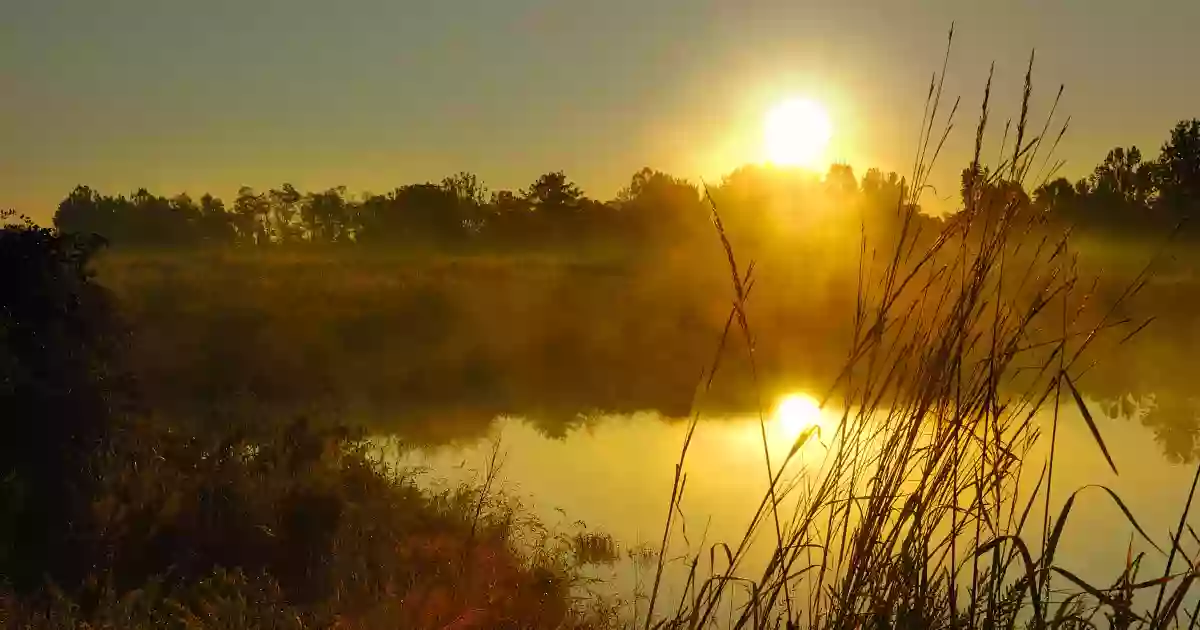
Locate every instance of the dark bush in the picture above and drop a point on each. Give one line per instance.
(60, 394)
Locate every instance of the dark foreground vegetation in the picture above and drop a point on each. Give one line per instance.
(109, 520)
(962, 335)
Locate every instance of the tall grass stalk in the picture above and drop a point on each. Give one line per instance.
(917, 515)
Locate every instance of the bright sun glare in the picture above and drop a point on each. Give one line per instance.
(796, 133)
(796, 413)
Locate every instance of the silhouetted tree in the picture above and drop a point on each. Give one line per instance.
(1122, 179)
(556, 203)
(215, 225)
(880, 190)
(1056, 197)
(657, 206)
(250, 216)
(841, 181)
(325, 215)
(470, 196)
(417, 213)
(467, 188)
(508, 218)
(285, 206)
(58, 342)
(84, 212)
(1177, 172)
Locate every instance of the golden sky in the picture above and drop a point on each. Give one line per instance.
(209, 96)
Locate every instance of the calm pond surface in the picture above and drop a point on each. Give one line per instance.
(614, 473)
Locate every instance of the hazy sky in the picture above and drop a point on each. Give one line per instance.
(175, 95)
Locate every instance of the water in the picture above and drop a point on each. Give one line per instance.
(615, 473)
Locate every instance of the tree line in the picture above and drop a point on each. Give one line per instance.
(1123, 192)
(1126, 191)
(455, 211)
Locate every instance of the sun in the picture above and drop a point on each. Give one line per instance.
(796, 413)
(796, 132)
